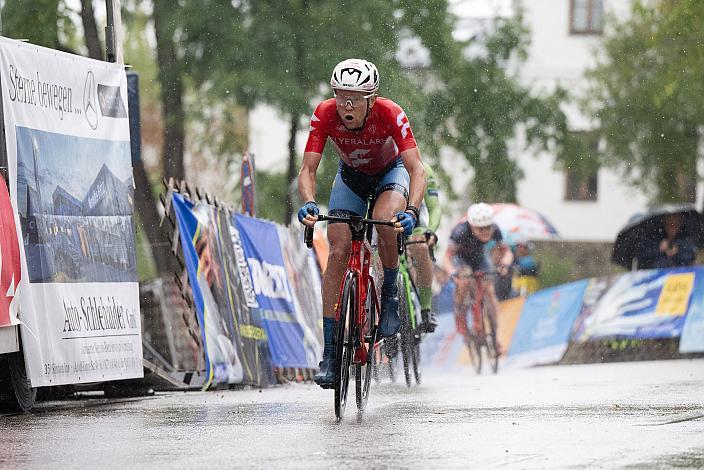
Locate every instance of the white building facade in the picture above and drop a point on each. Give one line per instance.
(565, 35)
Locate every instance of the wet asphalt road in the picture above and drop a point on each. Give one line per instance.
(625, 415)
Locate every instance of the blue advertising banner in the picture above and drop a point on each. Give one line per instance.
(650, 304)
(692, 339)
(445, 349)
(305, 281)
(262, 248)
(543, 330)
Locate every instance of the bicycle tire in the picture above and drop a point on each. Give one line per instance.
(416, 362)
(475, 352)
(377, 363)
(344, 344)
(417, 337)
(474, 347)
(392, 367)
(364, 372)
(406, 331)
(490, 332)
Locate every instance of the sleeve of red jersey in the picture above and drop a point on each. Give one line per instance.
(317, 135)
(403, 135)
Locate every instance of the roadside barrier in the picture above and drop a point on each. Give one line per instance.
(254, 289)
(640, 315)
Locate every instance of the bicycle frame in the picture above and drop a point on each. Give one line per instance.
(478, 304)
(408, 281)
(358, 266)
(409, 286)
(478, 278)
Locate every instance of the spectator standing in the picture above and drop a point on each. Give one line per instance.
(668, 247)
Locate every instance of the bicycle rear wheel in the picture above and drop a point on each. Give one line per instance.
(489, 318)
(364, 372)
(391, 352)
(416, 361)
(344, 344)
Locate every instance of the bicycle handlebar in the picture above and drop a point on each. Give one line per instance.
(431, 249)
(350, 220)
(475, 274)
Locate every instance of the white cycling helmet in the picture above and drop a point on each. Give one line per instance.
(480, 215)
(355, 75)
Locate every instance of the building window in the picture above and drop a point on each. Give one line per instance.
(586, 16)
(579, 187)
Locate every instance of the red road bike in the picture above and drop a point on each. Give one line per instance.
(482, 335)
(356, 335)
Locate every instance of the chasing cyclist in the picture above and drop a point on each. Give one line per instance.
(428, 223)
(465, 254)
(379, 159)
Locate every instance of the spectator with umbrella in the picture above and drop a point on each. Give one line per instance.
(665, 237)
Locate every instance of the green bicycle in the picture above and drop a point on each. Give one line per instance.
(409, 338)
(409, 310)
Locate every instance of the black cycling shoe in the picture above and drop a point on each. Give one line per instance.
(389, 322)
(325, 377)
(429, 323)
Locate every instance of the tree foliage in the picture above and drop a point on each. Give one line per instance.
(479, 107)
(36, 21)
(648, 95)
(215, 55)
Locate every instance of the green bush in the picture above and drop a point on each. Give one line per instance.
(554, 269)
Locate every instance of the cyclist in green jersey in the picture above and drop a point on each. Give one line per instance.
(428, 222)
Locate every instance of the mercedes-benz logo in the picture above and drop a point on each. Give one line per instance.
(90, 101)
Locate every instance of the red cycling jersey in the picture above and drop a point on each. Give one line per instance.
(385, 135)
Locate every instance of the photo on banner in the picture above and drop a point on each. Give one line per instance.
(75, 202)
(70, 175)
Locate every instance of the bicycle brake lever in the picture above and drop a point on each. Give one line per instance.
(308, 236)
(400, 243)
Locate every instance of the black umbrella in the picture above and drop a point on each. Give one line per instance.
(644, 228)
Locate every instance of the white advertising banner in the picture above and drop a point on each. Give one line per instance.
(68, 148)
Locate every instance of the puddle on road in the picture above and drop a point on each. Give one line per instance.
(690, 459)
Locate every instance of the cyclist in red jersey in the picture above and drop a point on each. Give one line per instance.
(379, 159)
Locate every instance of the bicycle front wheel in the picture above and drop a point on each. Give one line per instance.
(475, 352)
(406, 331)
(489, 319)
(364, 372)
(474, 346)
(344, 344)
